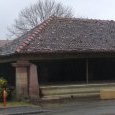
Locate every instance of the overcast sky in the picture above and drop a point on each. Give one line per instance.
(96, 9)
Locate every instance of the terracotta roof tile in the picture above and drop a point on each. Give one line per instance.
(65, 35)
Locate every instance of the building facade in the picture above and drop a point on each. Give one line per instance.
(61, 52)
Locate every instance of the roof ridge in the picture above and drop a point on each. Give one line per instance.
(85, 19)
(36, 32)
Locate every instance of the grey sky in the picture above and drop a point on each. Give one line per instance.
(97, 9)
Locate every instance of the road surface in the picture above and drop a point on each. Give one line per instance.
(99, 107)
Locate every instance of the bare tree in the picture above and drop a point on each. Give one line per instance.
(37, 13)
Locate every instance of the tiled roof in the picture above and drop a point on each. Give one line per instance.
(66, 35)
(4, 42)
(19, 43)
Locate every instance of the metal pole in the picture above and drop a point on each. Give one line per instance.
(87, 71)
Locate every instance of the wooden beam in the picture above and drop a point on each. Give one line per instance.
(87, 71)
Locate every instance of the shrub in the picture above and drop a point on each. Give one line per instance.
(3, 84)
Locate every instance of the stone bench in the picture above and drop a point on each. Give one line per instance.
(108, 93)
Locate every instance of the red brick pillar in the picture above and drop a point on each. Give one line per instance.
(22, 68)
(33, 82)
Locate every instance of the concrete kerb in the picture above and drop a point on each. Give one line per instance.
(23, 110)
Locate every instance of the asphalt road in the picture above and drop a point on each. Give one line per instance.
(97, 107)
(71, 107)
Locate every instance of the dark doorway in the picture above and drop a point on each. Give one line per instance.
(102, 70)
(8, 72)
(62, 71)
(74, 71)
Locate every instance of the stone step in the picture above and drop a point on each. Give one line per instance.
(51, 92)
(68, 91)
(108, 93)
(70, 96)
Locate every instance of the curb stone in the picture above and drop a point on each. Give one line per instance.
(22, 110)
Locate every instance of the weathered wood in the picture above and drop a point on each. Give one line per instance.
(87, 71)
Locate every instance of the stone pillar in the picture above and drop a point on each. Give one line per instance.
(21, 79)
(33, 82)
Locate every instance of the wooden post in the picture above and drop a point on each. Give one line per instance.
(87, 71)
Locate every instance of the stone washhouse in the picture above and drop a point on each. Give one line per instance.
(61, 57)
